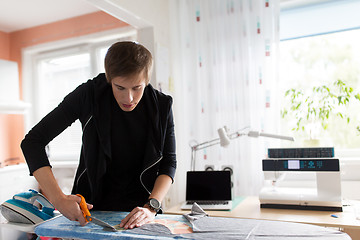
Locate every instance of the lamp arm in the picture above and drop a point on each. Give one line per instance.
(236, 135)
(206, 144)
(199, 146)
(269, 135)
(215, 141)
(231, 136)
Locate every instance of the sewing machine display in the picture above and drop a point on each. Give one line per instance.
(323, 192)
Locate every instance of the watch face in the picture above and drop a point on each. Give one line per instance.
(154, 203)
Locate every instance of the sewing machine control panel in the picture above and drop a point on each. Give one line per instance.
(303, 164)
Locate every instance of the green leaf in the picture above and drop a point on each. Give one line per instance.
(339, 99)
(283, 113)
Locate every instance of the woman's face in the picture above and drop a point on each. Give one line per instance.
(128, 91)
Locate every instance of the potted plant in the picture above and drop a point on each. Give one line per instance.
(311, 110)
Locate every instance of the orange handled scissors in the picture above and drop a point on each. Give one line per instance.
(87, 215)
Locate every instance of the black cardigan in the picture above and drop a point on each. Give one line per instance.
(91, 104)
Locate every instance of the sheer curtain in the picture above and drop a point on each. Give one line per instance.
(224, 69)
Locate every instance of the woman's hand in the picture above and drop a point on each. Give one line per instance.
(69, 206)
(138, 217)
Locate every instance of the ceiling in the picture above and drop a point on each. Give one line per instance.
(20, 14)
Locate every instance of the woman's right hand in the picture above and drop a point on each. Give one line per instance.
(68, 205)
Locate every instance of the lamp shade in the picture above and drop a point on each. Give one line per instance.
(224, 138)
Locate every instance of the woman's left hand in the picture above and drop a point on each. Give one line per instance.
(137, 217)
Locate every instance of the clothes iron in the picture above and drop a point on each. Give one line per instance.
(22, 208)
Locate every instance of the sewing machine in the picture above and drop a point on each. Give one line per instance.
(319, 187)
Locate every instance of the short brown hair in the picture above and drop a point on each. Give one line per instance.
(126, 59)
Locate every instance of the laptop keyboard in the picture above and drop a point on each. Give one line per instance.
(208, 202)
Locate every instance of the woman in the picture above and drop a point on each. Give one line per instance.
(128, 158)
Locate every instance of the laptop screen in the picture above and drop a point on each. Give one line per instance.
(208, 185)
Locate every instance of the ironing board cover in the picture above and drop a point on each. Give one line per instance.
(204, 227)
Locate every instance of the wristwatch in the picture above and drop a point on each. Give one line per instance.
(154, 204)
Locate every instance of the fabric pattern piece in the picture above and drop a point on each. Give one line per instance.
(171, 227)
(175, 227)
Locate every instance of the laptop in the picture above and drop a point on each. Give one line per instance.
(209, 189)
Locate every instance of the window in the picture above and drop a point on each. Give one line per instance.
(57, 72)
(322, 60)
(57, 76)
(317, 50)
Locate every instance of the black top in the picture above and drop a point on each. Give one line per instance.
(90, 103)
(121, 183)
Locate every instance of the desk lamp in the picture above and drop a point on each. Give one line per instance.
(224, 140)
